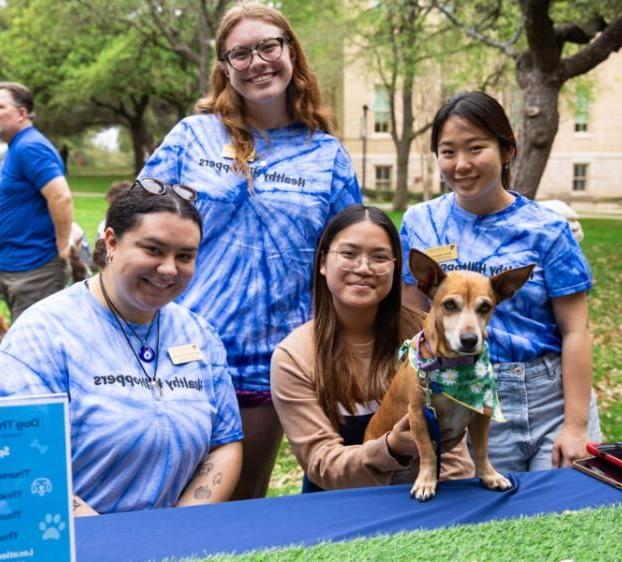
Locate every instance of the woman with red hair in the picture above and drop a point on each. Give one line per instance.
(269, 175)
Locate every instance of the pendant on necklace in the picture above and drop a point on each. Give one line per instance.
(146, 353)
(155, 388)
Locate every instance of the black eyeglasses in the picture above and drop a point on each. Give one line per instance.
(157, 187)
(269, 49)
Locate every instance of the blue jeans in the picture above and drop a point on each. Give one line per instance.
(532, 401)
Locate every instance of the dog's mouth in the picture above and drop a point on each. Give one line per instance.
(470, 350)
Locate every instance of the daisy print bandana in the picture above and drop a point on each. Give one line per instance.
(473, 386)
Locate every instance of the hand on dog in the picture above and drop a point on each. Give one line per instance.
(401, 440)
(569, 445)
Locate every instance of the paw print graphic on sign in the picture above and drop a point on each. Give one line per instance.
(51, 527)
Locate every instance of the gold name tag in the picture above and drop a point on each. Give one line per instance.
(185, 353)
(228, 151)
(449, 252)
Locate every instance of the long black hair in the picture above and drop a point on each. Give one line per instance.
(334, 369)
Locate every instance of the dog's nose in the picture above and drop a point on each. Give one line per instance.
(468, 342)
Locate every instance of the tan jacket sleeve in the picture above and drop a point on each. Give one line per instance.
(317, 445)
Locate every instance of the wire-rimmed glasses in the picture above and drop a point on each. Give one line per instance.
(379, 263)
(269, 49)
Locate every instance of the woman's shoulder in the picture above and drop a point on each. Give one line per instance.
(539, 214)
(201, 122)
(432, 207)
(66, 305)
(411, 322)
(54, 320)
(300, 340)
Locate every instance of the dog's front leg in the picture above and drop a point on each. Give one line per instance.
(424, 487)
(478, 431)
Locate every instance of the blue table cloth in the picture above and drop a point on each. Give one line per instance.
(307, 519)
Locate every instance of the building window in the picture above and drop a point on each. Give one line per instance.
(383, 177)
(582, 106)
(382, 110)
(579, 179)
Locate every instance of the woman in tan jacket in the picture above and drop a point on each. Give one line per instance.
(328, 375)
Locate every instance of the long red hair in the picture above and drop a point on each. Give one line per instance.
(304, 100)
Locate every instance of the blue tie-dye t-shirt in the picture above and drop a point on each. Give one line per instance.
(253, 274)
(522, 328)
(129, 451)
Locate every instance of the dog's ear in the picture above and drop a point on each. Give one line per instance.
(505, 284)
(426, 271)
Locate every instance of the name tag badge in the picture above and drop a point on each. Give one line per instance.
(181, 354)
(441, 254)
(228, 151)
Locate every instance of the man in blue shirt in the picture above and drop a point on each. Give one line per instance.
(36, 208)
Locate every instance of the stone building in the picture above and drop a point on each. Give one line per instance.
(585, 162)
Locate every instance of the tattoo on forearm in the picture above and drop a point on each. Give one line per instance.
(217, 479)
(202, 493)
(206, 468)
(76, 503)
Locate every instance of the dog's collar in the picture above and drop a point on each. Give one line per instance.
(437, 362)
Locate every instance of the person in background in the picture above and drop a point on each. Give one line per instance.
(539, 339)
(153, 414)
(99, 248)
(329, 374)
(269, 174)
(36, 208)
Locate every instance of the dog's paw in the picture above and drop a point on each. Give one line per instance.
(423, 491)
(496, 481)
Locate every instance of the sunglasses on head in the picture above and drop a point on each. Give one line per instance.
(157, 187)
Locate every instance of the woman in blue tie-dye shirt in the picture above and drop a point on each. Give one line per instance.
(539, 339)
(154, 417)
(269, 175)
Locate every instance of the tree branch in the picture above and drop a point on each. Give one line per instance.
(609, 41)
(171, 34)
(579, 34)
(505, 46)
(117, 110)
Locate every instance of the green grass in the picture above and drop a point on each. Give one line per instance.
(602, 248)
(88, 212)
(93, 184)
(581, 536)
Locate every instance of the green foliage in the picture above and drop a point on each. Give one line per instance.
(87, 69)
(321, 27)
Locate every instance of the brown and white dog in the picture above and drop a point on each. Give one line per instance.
(455, 328)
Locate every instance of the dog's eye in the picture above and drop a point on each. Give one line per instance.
(484, 308)
(450, 305)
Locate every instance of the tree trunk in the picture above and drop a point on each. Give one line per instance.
(537, 131)
(141, 138)
(403, 143)
(400, 200)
